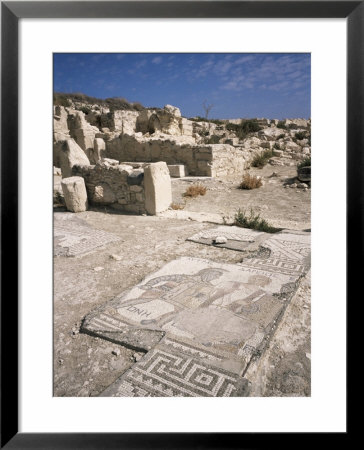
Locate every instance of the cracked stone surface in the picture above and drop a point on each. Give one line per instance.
(236, 238)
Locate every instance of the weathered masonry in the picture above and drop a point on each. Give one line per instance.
(216, 160)
(141, 190)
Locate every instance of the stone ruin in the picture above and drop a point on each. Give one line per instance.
(104, 146)
(200, 323)
(140, 191)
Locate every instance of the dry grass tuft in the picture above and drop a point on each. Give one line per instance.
(260, 160)
(195, 190)
(250, 182)
(176, 206)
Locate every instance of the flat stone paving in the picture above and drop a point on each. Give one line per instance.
(73, 236)
(236, 238)
(200, 321)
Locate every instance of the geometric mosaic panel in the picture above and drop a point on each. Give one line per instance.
(73, 236)
(175, 369)
(288, 254)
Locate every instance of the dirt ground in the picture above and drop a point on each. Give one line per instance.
(85, 366)
(282, 207)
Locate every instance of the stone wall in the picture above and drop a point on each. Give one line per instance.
(60, 125)
(199, 160)
(117, 185)
(229, 161)
(122, 121)
(137, 190)
(82, 132)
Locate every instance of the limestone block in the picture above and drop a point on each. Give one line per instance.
(124, 121)
(82, 132)
(301, 123)
(173, 110)
(60, 126)
(99, 149)
(292, 146)
(85, 141)
(71, 154)
(157, 185)
(186, 127)
(277, 152)
(176, 170)
(270, 134)
(103, 194)
(232, 141)
(75, 195)
(107, 162)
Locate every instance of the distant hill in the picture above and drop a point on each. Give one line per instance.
(113, 103)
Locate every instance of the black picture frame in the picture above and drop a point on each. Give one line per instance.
(11, 12)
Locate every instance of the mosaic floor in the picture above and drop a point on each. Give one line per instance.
(288, 253)
(73, 236)
(200, 321)
(177, 369)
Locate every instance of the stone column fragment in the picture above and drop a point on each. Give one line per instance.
(69, 155)
(75, 195)
(99, 149)
(157, 185)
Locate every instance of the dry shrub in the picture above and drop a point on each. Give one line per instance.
(195, 190)
(177, 206)
(253, 221)
(260, 160)
(250, 182)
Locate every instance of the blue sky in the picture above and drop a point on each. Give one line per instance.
(271, 85)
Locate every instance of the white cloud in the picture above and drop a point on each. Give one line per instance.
(157, 60)
(285, 73)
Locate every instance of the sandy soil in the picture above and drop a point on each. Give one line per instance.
(284, 370)
(282, 207)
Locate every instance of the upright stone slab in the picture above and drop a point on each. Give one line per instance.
(71, 154)
(99, 149)
(75, 195)
(176, 170)
(158, 190)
